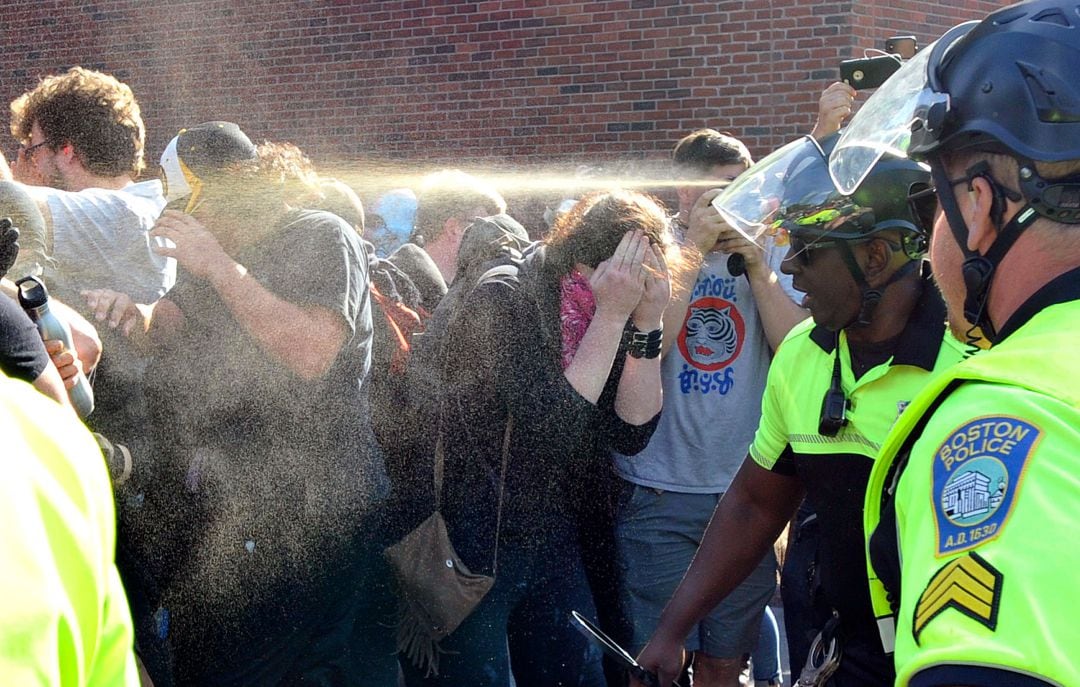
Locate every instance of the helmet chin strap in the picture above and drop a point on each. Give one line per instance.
(870, 296)
(978, 269)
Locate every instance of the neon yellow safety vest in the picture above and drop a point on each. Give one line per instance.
(986, 512)
(835, 469)
(65, 619)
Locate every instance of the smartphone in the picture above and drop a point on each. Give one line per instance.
(904, 46)
(868, 72)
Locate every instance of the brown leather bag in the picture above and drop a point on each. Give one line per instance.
(436, 588)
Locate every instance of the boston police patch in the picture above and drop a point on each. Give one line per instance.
(977, 474)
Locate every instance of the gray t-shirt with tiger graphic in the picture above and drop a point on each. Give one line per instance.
(713, 377)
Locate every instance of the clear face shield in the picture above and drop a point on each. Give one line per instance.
(905, 115)
(786, 200)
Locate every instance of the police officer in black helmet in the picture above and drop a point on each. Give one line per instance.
(835, 386)
(976, 485)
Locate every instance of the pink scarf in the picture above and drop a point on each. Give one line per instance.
(577, 305)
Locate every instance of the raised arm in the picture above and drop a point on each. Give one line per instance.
(704, 227)
(617, 284)
(778, 312)
(640, 393)
(834, 106)
(306, 339)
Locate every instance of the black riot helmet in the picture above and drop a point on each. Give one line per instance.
(1007, 85)
(789, 196)
(812, 209)
(1011, 85)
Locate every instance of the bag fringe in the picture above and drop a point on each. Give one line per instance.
(415, 640)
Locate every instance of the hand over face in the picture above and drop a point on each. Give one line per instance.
(705, 222)
(618, 282)
(194, 246)
(649, 313)
(730, 240)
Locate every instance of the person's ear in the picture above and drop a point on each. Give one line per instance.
(978, 211)
(879, 252)
(67, 156)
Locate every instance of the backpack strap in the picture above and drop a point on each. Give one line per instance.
(504, 274)
(401, 321)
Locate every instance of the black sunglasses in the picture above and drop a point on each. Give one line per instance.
(801, 250)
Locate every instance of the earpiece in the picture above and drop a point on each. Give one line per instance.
(977, 272)
(997, 203)
(981, 170)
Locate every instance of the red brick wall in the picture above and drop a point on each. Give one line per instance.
(433, 82)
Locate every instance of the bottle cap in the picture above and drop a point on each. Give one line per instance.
(32, 293)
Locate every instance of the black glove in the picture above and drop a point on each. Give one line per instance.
(9, 245)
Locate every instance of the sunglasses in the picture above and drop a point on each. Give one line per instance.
(801, 250)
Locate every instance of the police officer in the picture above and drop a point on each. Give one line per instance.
(66, 618)
(976, 489)
(836, 385)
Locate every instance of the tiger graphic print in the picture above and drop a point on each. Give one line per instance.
(712, 335)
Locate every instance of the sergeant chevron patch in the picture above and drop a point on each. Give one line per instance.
(969, 584)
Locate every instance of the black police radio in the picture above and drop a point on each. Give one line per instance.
(835, 405)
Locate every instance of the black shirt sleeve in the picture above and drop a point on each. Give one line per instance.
(22, 353)
(616, 434)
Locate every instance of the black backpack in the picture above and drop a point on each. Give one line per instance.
(397, 316)
(491, 249)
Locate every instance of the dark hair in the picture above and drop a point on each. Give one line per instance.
(704, 149)
(94, 112)
(590, 231)
(340, 199)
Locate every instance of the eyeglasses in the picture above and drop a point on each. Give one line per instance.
(28, 151)
(800, 250)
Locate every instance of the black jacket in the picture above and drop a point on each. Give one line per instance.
(504, 357)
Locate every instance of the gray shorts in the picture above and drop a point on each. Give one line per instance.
(658, 533)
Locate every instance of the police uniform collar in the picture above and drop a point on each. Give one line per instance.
(1061, 289)
(920, 340)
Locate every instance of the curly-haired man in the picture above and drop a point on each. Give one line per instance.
(82, 140)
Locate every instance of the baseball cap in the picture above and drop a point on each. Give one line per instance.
(197, 153)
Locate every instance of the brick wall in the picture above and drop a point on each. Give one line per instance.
(411, 83)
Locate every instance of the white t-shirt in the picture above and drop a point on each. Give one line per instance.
(100, 239)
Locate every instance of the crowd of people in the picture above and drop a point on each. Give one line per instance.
(837, 376)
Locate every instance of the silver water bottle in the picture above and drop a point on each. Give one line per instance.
(34, 299)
